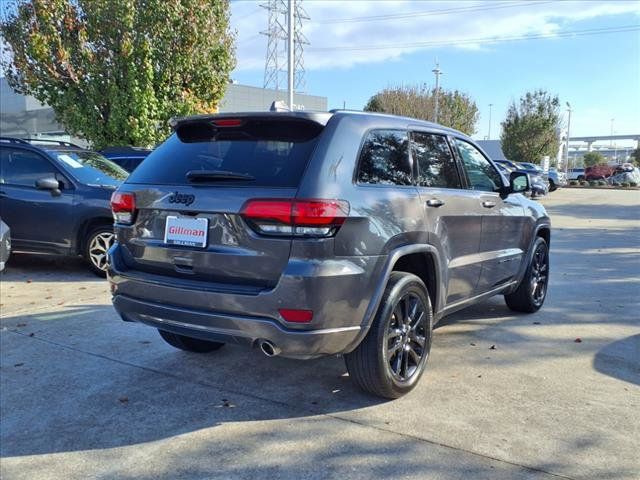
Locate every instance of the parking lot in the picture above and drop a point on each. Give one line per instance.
(505, 396)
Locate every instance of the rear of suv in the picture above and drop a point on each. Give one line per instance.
(308, 234)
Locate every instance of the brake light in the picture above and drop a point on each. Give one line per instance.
(311, 218)
(123, 206)
(228, 122)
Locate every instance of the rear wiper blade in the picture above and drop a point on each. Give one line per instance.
(204, 175)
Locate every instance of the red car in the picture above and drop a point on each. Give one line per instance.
(598, 172)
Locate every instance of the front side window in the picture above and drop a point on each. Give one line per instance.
(385, 158)
(24, 168)
(482, 176)
(436, 166)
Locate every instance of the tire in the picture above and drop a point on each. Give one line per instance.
(96, 244)
(189, 344)
(370, 364)
(532, 291)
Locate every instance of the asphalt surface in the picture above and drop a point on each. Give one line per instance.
(545, 396)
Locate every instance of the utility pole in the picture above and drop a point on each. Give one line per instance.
(489, 132)
(566, 152)
(611, 139)
(276, 73)
(290, 47)
(437, 72)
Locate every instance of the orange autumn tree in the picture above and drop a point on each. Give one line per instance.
(114, 72)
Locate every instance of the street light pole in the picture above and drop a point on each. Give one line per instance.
(437, 72)
(489, 132)
(566, 153)
(290, 52)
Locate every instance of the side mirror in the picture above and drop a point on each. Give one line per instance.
(49, 183)
(519, 182)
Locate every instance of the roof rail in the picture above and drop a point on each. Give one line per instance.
(46, 140)
(13, 140)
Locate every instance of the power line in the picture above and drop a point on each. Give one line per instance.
(247, 15)
(444, 11)
(458, 42)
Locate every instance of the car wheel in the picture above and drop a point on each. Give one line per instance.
(189, 344)
(532, 291)
(392, 357)
(97, 245)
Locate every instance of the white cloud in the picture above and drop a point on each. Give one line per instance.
(465, 23)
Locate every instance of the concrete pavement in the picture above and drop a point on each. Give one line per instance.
(84, 395)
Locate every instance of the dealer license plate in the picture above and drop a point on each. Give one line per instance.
(186, 231)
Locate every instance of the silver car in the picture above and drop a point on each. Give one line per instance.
(5, 244)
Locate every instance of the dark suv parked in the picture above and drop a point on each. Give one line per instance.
(307, 234)
(55, 198)
(127, 157)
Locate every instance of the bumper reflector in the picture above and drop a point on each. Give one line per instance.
(296, 316)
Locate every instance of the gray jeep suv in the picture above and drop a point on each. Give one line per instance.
(307, 234)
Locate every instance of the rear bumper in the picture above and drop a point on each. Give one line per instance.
(236, 329)
(339, 293)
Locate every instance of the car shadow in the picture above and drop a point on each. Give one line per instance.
(47, 268)
(112, 384)
(612, 359)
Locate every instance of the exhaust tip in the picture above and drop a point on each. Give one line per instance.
(268, 348)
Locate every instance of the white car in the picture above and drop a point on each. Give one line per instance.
(576, 174)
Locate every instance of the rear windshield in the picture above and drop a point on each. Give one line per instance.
(268, 154)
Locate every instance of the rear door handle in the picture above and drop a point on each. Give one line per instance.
(487, 204)
(434, 202)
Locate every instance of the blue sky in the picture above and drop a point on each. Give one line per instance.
(598, 74)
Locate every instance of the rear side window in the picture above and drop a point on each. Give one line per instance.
(259, 153)
(385, 158)
(23, 167)
(436, 166)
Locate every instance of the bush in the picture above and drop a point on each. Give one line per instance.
(593, 183)
(633, 184)
(602, 183)
(573, 182)
(625, 184)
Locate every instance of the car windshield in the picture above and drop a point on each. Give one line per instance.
(91, 168)
(530, 166)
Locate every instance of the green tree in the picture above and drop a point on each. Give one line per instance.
(115, 72)
(531, 129)
(593, 158)
(455, 109)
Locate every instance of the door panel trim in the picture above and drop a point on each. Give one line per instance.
(484, 256)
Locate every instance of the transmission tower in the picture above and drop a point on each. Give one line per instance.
(275, 68)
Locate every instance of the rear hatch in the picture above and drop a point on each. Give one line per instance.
(189, 194)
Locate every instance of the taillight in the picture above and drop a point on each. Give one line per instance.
(123, 206)
(302, 218)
